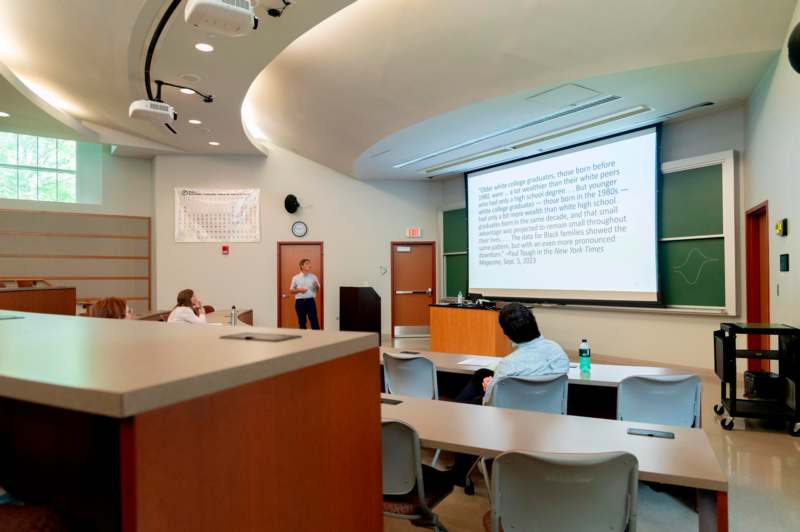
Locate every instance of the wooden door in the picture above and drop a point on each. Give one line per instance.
(289, 256)
(413, 287)
(757, 258)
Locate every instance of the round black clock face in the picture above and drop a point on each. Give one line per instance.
(299, 229)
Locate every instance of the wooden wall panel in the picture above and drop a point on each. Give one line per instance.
(100, 255)
(72, 223)
(59, 245)
(58, 266)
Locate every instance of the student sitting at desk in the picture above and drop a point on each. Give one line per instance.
(188, 310)
(534, 355)
(111, 307)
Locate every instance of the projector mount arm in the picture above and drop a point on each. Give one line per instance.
(206, 97)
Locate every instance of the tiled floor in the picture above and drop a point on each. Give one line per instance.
(762, 463)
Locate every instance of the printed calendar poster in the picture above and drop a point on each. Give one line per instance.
(216, 215)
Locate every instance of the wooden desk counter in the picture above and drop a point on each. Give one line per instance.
(218, 317)
(44, 299)
(142, 426)
(687, 460)
(467, 330)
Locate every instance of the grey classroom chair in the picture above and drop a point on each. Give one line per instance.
(410, 489)
(414, 376)
(543, 393)
(410, 375)
(662, 399)
(565, 492)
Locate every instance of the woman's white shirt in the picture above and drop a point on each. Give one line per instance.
(185, 315)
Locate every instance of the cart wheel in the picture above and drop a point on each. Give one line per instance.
(794, 430)
(719, 409)
(469, 489)
(727, 424)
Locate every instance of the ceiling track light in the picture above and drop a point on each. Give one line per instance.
(497, 150)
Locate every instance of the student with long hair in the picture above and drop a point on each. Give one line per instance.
(188, 310)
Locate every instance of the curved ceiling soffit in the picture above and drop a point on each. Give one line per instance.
(379, 67)
(57, 114)
(227, 73)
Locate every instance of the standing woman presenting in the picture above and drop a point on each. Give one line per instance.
(188, 310)
(305, 286)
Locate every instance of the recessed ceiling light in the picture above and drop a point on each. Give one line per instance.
(214, 143)
(190, 77)
(4, 114)
(195, 122)
(203, 47)
(187, 91)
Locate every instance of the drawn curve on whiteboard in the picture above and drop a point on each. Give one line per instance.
(704, 260)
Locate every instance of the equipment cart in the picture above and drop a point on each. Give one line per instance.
(785, 405)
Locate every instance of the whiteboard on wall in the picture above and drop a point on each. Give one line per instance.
(217, 215)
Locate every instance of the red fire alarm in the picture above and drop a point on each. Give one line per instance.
(226, 249)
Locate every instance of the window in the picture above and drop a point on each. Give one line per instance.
(37, 168)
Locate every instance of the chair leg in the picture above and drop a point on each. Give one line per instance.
(436, 455)
(484, 471)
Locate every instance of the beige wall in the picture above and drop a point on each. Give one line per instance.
(651, 336)
(356, 220)
(772, 163)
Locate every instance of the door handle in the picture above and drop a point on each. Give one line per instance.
(283, 296)
(428, 291)
(403, 292)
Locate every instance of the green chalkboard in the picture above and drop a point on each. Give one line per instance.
(691, 202)
(455, 275)
(693, 272)
(454, 225)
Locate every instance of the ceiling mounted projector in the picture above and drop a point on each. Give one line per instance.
(156, 112)
(232, 18)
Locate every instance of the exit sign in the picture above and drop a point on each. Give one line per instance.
(413, 232)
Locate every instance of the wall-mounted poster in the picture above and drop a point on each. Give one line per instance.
(217, 215)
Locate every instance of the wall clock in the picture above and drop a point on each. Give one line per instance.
(299, 229)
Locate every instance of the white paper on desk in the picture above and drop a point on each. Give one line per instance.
(479, 362)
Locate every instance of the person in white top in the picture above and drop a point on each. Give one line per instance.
(305, 286)
(189, 309)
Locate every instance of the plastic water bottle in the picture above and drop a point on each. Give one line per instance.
(460, 299)
(585, 356)
(233, 315)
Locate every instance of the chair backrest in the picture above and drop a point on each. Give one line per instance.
(565, 492)
(663, 399)
(544, 393)
(410, 375)
(401, 458)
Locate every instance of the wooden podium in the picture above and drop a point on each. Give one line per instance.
(467, 330)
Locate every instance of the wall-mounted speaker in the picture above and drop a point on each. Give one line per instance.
(291, 204)
(794, 49)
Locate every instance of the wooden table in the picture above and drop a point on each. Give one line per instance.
(45, 299)
(135, 425)
(219, 317)
(600, 375)
(593, 394)
(687, 461)
(467, 330)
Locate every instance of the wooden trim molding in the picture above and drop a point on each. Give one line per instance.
(61, 213)
(73, 235)
(93, 257)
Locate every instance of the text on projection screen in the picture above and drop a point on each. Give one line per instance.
(578, 224)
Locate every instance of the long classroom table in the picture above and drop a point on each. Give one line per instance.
(687, 460)
(593, 394)
(141, 426)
